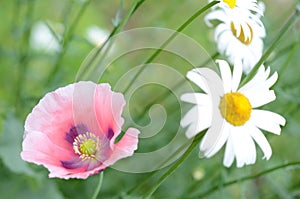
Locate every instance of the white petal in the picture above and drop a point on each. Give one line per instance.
(198, 79)
(213, 134)
(196, 98)
(261, 140)
(219, 30)
(243, 146)
(229, 153)
(198, 119)
(219, 143)
(259, 98)
(272, 80)
(223, 42)
(253, 82)
(267, 120)
(225, 74)
(237, 75)
(250, 147)
(215, 15)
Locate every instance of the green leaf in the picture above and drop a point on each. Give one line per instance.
(24, 187)
(10, 146)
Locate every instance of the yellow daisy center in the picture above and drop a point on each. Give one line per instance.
(242, 37)
(86, 145)
(235, 108)
(230, 3)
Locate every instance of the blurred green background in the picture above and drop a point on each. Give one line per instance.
(27, 72)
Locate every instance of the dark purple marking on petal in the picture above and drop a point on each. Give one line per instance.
(110, 133)
(75, 131)
(72, 164)
(76, 163)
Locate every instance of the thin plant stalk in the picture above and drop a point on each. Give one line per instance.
(246, 178)
(195, 142)
(274, 44)
(180, 29)
(115, 31)
(66, 40)
(99, 185)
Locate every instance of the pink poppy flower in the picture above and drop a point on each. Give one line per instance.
(72, 131)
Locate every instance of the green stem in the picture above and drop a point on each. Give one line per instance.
(24, 54)
(282, 52)
(275, 43)
(98, 186)
(180, 29)
(66, 40)
(165, 94)
(149, 177)
(289, 58)
(226, 184)
(175, 166)
(115, 31)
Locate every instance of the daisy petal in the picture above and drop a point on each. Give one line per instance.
(196, 98)
(219, 143)
(261, 140)
(196, 77)
(229, 153)
(215, 15)
(225, 74)
(272, 80)
(243, 146)
(213, 134)
(198, 119)
(267, 120)
(237, 75)
(259, 98)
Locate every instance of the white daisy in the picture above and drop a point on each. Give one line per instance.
(240, 39)
(231, 114)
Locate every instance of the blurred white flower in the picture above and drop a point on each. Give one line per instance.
(231, 114)
(96, 35)
(242, 39)
(42, 39)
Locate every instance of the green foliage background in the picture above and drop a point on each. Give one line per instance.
(24, 75)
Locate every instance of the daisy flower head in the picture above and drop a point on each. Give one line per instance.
(232, 115)
(72, 131)
(239, 39)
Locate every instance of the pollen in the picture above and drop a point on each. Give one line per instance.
(230, 3)
(235, 108)
(245, 39)
(86, 145)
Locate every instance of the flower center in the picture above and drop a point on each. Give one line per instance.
(230, 3)
(86, 145)
(245, 39)
(235, 108)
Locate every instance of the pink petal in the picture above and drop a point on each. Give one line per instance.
(125, 147)
(39, 149)
(84, 109)
(109, 106)
(53, 116)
